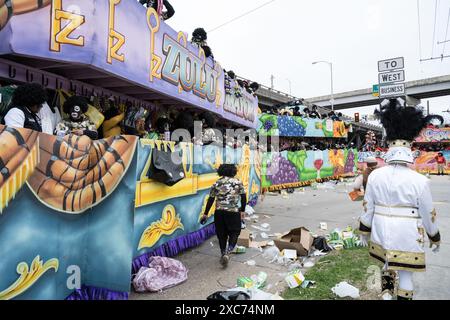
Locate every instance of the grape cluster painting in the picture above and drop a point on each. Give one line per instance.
(290, 169)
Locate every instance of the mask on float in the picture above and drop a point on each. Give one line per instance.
(76, 114)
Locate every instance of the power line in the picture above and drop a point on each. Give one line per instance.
(436, 58)
(446, 32)
(241, 16)
(434, 29)
(418, 22)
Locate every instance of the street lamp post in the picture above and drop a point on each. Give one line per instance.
(331, 70)
(290, 86)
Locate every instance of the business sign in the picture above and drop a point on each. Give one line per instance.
(391, 64)
(391, 77)
(392, 90)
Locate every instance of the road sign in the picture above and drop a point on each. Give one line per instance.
(391, 77)
(392, 90)
(375, 90)
(391, 64)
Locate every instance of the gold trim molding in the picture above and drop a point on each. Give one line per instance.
(28, 276)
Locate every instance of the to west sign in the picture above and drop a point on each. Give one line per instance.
(391, 77)
(391, 64)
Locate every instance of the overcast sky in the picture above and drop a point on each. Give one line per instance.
(284, 37)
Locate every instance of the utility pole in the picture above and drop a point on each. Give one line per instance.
(271, 81)
(428, 107)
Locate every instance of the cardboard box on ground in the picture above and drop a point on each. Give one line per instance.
(299, 239)
(245, 240)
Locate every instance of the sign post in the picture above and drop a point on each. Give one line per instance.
(391, 78)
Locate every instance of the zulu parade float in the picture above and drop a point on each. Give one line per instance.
(72, 207)
(119, 134)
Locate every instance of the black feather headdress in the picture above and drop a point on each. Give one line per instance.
(184, 120)
(403, 123)
(208, 119)
(199, 35)
(208, 52)
(82, 102)
(254, 86)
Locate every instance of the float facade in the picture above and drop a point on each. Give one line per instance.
(84, 238)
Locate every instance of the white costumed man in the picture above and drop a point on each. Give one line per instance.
(398, 207)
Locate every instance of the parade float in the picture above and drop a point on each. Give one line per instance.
(292, 169)
(437, 139)
(79, 217)
(432, 138)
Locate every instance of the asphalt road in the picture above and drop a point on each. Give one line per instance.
(308, 209)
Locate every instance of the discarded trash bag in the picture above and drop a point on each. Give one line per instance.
(162, 273)
(229, 296)
(320, 243)
(249, 210)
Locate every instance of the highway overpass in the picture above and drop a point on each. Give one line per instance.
(419, 89)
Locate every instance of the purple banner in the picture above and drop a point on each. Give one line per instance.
(129, 42)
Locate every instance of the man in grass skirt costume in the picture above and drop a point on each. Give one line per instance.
(398, 207)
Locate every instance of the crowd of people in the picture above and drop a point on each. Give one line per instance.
(431, 147)
(296, 109)
(30, 108)
(313, 144)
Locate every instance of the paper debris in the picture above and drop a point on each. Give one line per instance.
(250, 263)
(289, 254)
(343, 289)
(318, 253)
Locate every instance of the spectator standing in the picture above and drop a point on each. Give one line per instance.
(441, 163)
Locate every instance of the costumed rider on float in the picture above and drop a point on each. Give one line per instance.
(78, 123)
(398, 207)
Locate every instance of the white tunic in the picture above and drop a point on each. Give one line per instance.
(398, 204)
(49, 119)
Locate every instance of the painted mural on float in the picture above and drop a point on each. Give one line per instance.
(66, 213)
(290, 169)
(70, 208)
(290, 126)
(164, 213)
(424, 161)
(105, 35)
(435, 135)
